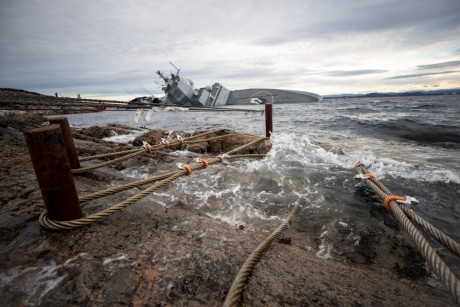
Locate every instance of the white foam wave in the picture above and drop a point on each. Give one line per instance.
(383, 167)
(36, 282)
(141, 172)
(291, 151)
(110, 260)
(123, 139)
(325, 247)
(234, 218)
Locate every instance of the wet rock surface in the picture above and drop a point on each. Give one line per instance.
(173, 254)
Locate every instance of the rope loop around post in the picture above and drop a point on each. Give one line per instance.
(160, 181)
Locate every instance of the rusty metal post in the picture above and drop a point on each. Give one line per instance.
(68, 140)
(49, 158)
(268, 120)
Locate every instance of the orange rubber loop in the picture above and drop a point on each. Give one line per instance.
(390, 198)
(205, 162)
(370, 175)
(187, 168)
(148, 147)
(166, 143)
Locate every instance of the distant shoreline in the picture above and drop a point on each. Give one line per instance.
(402, 94)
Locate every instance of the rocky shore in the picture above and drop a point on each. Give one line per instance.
(171, 254)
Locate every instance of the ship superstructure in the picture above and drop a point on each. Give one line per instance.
(181, 91)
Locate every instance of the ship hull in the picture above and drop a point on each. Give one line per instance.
(244, 97)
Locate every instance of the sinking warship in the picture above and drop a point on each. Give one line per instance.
(182, 91)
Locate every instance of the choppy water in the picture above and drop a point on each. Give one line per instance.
(411, 144)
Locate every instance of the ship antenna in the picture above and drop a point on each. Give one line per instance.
(178, 69)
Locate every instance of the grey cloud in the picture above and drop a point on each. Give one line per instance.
(358, 72)
(414, 21)
(439, 65)
(424, 74)
(118, 44)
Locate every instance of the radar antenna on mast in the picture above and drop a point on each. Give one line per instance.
(178, 69)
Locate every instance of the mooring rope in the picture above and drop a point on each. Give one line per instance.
(138, 183)
(443, 238)
(111, 154)
(136, 152)
(88, 168)
(440, 268)
(234, 294)
(64, 225)
(210, 139)
(247, 156)
(121, 188)
(446, 240)
(87, 158)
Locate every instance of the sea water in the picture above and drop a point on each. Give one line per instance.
(412, 145)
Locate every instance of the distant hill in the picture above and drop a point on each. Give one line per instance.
(393, 94)
(18, 91)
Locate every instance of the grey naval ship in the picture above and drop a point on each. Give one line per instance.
(182, 92)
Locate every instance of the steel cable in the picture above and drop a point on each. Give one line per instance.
(88, 168)
(111, 154)
(446, 240)
(134, 184)
(440, 268)
(134, 153)
(65, 225)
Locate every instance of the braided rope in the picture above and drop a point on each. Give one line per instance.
(248, 156)
(88, 168)
(443, 238)
(211, 139)
(234, 294)
(447, 277)
(140, 151)
(134, 184)
(82, 159)
(114, 190)
(58, 225)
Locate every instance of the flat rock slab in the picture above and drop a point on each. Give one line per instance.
(154, 254)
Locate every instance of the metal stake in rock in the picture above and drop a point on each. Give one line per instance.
(268, 120)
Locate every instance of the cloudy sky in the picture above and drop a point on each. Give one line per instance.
(105, 48)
